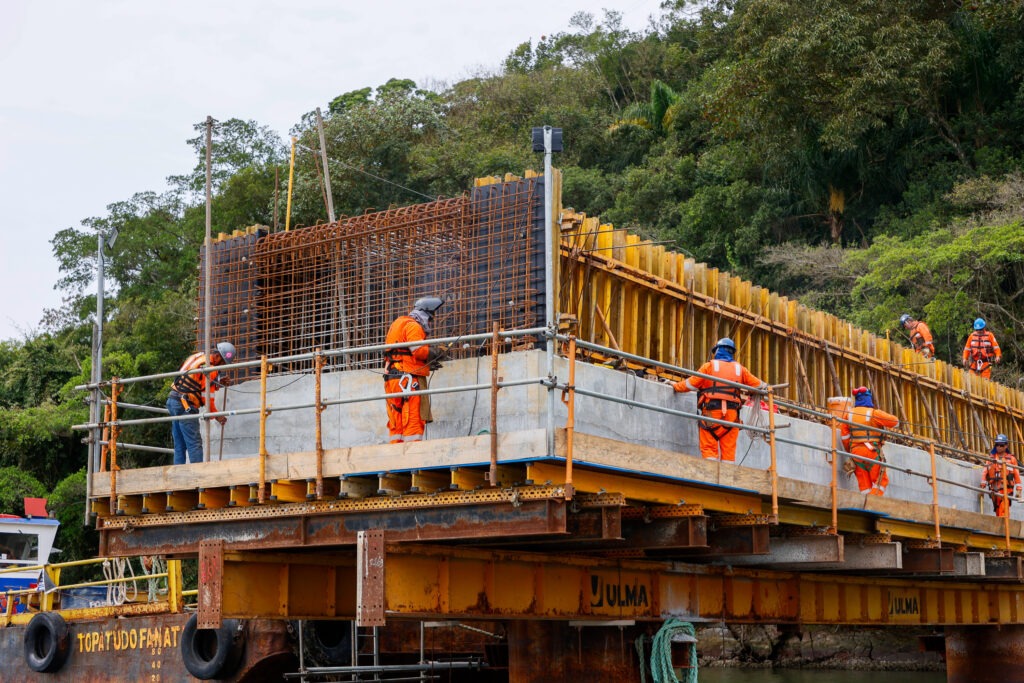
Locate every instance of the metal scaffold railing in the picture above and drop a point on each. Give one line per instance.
(575, 351)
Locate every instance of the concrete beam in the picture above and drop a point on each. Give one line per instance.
(866, 557)
(800, 550)
(969, 564)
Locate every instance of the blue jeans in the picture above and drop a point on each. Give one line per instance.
(185, 433)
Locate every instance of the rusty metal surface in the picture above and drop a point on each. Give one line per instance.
(985, 655)
(341, 284)
(510, 495)
(145, 648)
(667, 533)
(928, 560)
(370, 568)
(211, 583)
(546, 652)
(449, 523)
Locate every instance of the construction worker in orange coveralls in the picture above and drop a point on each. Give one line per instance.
(1001, 476)
(719, 401)
(920, 335)
(981, 350)
(407, 369)
(864, 441)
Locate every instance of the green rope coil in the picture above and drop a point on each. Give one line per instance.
(661, 653)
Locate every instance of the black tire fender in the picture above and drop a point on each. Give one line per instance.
(47, 642)
(328, 642)
(210, 653)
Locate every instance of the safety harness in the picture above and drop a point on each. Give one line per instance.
(728, 396)
(189, 388)
(868, 436)
(994, 473)
(981, 351)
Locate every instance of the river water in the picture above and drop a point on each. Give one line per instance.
(719, 675)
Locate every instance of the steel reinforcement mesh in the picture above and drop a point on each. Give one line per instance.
(340, 285)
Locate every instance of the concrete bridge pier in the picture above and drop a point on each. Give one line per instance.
(984, 654)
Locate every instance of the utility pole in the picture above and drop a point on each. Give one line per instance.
(327, 172)
(96, 405)
(208, 269)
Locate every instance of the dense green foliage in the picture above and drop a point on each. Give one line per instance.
(863, 155)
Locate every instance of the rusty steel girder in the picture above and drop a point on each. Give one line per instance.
(532, 518)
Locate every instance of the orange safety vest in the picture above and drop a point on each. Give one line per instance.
(193, 387)
(866, 419)
(410, 360)
(994, 472)
(723, 369)
(981, 346)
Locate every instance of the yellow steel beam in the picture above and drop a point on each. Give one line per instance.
(950, 535)
(723, 500)
(444, 582)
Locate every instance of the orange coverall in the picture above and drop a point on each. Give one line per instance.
(921, 339)
(866, 442)
(406, 370)
(981, 350)
(993, 479)
(721, 402)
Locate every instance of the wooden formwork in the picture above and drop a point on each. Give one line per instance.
(624, 292)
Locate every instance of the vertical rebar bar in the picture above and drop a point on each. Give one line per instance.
(318, 413)
(115, 431)
(492, 474)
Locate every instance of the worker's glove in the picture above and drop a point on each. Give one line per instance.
(437, 355)
(849, 467)
(221, 420)
(999, 360)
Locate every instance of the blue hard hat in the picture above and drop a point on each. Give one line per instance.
(905, 318)
(727, 343)
(979, 324)
(1001, 439)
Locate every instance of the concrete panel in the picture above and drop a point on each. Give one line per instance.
(523, 408)
(798, 551)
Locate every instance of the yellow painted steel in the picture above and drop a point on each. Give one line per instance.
(649, 302)
(436, 582)
(648, 490)
(950, 535)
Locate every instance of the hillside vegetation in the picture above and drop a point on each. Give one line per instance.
(862, 155)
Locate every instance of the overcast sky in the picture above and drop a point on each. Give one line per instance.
(97, 97)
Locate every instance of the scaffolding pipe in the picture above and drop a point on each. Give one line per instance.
(318, 414)
(334, 353)
(773, 470)
(333, 402)
(115, 431)
(144, 408)
(264, 368)
(570, 421)
(834, 486)
(935, 493)
(140, 447)
(492, 472)
(550, 300)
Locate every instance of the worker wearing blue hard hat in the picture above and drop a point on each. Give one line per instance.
(981, 350)
(865, 440)
(1001, 476)
(719, 401)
